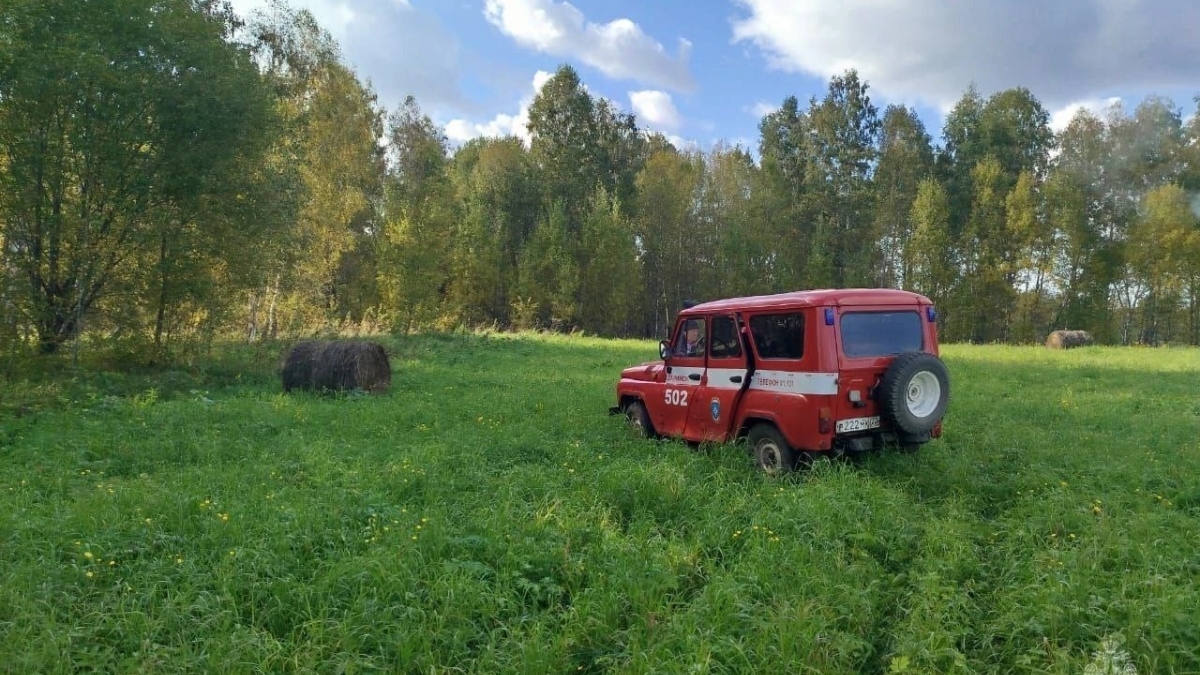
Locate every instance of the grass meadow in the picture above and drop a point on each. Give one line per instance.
(488, 516)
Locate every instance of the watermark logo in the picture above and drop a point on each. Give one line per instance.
(1110, 659)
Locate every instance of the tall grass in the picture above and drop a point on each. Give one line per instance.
(487, 516)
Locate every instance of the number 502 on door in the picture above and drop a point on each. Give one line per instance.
(677, 397)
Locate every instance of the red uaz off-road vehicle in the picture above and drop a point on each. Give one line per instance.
(796, 374)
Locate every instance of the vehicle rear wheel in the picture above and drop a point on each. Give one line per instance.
(772, 454)
(639, 419)
(914, 392)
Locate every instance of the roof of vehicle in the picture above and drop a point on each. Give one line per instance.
(814, 298)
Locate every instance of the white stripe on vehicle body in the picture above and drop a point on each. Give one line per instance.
(720, 378)
(791, 382)
(681, 376)
(782, 381)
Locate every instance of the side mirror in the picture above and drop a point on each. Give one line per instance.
(664, 350)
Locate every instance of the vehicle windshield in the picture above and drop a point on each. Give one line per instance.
(867, 334)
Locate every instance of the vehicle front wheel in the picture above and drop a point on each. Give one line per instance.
(772, 453)
(639, 419)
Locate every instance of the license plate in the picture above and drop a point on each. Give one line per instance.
(857, 424)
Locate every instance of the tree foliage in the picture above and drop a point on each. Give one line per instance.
(122, 123)
(169, 169)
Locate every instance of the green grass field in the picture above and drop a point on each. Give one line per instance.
(488, 516)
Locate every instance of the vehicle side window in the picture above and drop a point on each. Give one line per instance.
(690, 341)
(778, 336)
(725, 342)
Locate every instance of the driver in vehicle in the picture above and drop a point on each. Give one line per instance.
(692, 343)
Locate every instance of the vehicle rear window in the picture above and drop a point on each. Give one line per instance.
(866, 334)
(778, 336)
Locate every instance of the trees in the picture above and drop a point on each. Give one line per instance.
(782, 202)
(1015, 130)
(321, 269)
(421, 213)
(1162, 256)
(1190, 181)
(663, 226)
(988, 256)
(161, 164)
(1079, 211)
(1011, 127)
(1142, 154)
(548, 275)
(1034, 242)
(993, 148)
(1189, 154)
(962, 149)
(742, 250)
(610, 281)
(122, 122)
(496, 185)
(930, 257)
(579, 143)
(905, 160)
(845, 134)
(581, 147)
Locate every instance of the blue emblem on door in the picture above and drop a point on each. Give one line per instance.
(716, 409)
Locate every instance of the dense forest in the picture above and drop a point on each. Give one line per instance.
(172, 173)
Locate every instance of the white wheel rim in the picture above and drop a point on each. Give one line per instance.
(771, 458)
(923, 393)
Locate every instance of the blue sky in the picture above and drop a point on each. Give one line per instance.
(706, 70)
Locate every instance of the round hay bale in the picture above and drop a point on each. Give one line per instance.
(298, 366)
(1066, 339)
(314, 365)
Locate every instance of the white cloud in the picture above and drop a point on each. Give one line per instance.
(656, 108)
(683, 144)
(540, 78)
(748, 144)
(1059, 119)
(620, 49)
(461, 131)
(761, 109)
(399, 48)
(932, 50)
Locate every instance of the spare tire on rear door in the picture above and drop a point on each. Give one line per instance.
(914, 392)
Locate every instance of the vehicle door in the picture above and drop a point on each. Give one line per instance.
(712, 408)
(790, 385)
(869, 339)
(684, 372)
